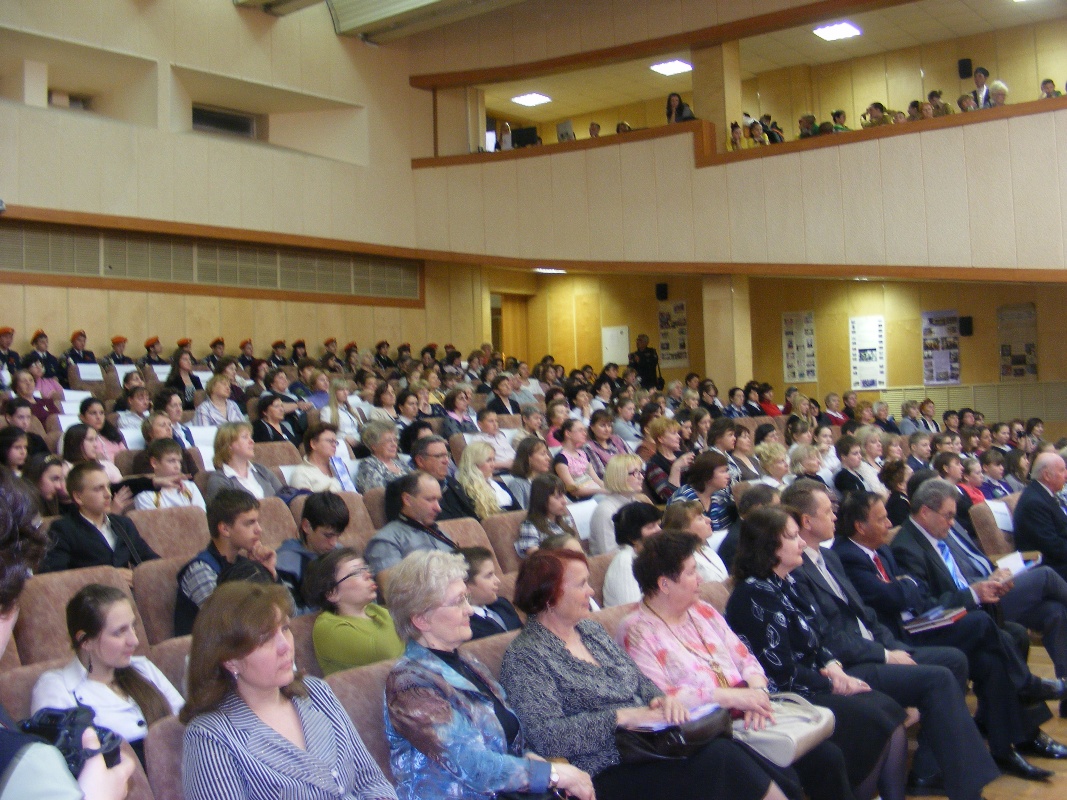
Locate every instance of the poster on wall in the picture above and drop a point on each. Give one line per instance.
(1017, 335)
(941, 348)
(798, 347)
(673, 334)
(867, 346)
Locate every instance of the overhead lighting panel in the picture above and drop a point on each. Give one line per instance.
(531, 99)
(550, 271)
(675, 67)
(841, 30)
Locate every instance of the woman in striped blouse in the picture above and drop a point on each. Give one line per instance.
(257, 729)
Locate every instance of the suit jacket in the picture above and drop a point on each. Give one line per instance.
(76, 544)
(501, 405)
(230, 752)
(483, 626)
(917, 464)
(838, 621)
(218, 480)
(902, 593)
(1041, 524)
(917, 557)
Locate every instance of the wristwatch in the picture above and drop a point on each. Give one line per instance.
(553, 778)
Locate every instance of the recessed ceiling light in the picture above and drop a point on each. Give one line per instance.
(675, 67)
(550, 271)
(531, 99)
(842, 30)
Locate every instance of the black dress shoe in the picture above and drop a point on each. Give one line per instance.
(1012, 763)
(1043, 690)
(1063, 708)
(935, 784)
(1043, 746)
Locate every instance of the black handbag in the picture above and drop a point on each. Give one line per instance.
(64, 728)
(674, 741)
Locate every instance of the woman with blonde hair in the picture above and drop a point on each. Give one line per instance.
(775, 463)
(624, 479)
(337, 412)
(475, 475)
(234, 468)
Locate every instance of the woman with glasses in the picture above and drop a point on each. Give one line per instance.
(352, 630)
(451, 733)
(624, 480)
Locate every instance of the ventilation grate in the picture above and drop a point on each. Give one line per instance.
(62, 250)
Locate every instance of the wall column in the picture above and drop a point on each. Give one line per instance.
(717, 87)
(727, 330)
(460, 121)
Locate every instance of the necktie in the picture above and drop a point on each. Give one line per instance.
(950, 563)
(881, 569)
(835, 587)
(496, 618)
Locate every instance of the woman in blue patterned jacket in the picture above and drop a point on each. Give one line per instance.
(451, 735)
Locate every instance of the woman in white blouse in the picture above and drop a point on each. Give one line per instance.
(322, 471)
(127, 692)
(218, 409)
(337, 412)
(689, 516)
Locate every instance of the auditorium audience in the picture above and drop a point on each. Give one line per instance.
(322, 470)
(14, 449)
(271, 424)
(623, 482)
(174, 490)
(415, 526)
(532, 458)
(234, 467)
(689, 516)
(546, 516)
(218, 408)
(384, 464)
(19, 414)
(476, 474)
(24, 386)
(182, 379)
(322, 522)
(634, 523)
(43, 474)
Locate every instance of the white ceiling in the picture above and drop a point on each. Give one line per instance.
(923, 22)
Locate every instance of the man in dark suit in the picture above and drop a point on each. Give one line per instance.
(500, 400)
(93, 537)
(951, 757)
(919, 451)
(430, 454)
(1011, 699)
(1040, 519)
(1037, 599)
(981, 90)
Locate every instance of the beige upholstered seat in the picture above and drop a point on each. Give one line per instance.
(173, 532)
(155, 588)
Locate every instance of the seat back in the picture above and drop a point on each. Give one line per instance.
(274, 454)
(457, 443)
(16, 688)
(277, 522)
(374, 500)
(304, 645)
(994, 541)
(41, 630)
(10, 657)
(610, 618)
(124, 460)
(171, 657)
(490, 650)
(173, 532)
(155, 587)
(467, 532)
(598, 571)
(717, 593)
(362, 691)
(163, 752)
(503, 532)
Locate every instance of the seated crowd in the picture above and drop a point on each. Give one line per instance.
(623, 493)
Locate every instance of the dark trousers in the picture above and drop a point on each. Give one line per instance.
(999, 674)
(1039, 601)
(949, 741)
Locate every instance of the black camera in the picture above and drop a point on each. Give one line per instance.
(64, 728)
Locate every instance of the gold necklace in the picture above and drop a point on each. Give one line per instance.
(706, 656)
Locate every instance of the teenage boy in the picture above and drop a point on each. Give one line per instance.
(322, 523)
(235, 553)
(165, 458)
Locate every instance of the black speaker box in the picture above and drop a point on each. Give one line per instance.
(661, 291)
(966, 326)
(966, 70)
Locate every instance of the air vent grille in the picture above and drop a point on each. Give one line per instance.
(62, 250)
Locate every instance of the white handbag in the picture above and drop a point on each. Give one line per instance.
(798, 727)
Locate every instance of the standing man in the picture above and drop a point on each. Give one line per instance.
(645, 361)
(981, 90)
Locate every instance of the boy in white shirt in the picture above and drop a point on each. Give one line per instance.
(165, 456)
(489, 425)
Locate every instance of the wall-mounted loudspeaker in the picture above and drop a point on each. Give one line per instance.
(661, 291)
(966, 326)
(965, 68)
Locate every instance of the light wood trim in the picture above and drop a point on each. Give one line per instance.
(701, 138)
(704, 37)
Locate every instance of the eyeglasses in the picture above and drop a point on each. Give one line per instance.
(635, 472)
(359, 572)
(459, 602)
